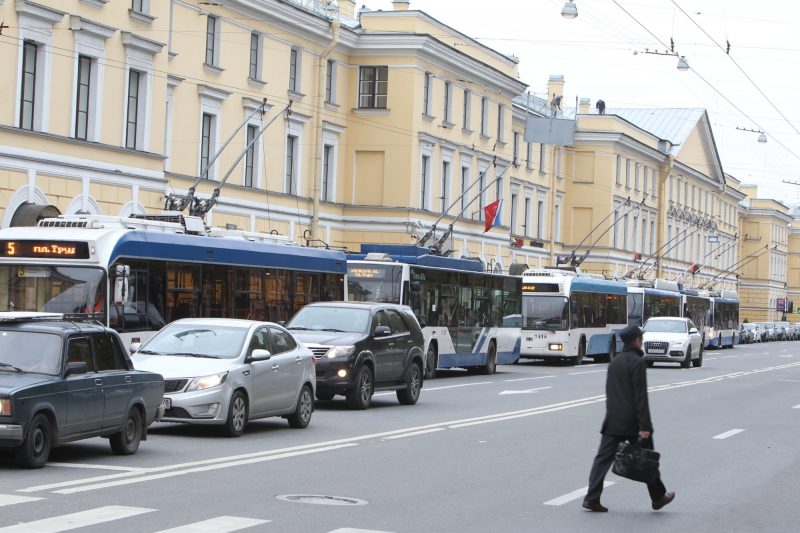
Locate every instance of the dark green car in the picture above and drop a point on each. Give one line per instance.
(62, 381)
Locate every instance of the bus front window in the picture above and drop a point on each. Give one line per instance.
(53, 289)
(374, 283)
(545, 312)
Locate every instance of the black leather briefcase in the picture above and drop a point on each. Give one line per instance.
(632, 461)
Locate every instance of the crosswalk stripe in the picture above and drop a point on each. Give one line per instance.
(13, 499)
(351, 530)
(78, 520)
(220, 524)
(574, 495)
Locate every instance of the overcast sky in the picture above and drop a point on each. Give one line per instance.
(601, 54)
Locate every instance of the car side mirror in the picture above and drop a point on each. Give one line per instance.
(259, 355)
(135, 345)
(76, 368)
(383, 331)
(693, 331)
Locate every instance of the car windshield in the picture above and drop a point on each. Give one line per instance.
(197, 340)
(329, 318)
(28, 351)
(53, 289)
(665, 326)
(545, 312)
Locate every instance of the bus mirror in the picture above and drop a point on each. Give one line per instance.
(121, 284)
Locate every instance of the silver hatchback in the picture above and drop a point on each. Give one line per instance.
(226, 372)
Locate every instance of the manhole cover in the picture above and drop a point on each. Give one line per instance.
(320, 499)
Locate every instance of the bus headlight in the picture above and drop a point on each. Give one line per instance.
(340, 351)
(555, 347)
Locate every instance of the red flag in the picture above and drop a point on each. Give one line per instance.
(491, 215)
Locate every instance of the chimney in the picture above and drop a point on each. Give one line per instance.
(583, 107)
(347, 9)
(555, 93)
(401, 5)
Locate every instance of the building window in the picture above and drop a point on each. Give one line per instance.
(212, 53)
(615, 239)
(485, 116)
(448, 98)
(541, 158)
(426, 94)
(636, 177)
(625, 232)
(206, 138)
(516, 148)
(82, 97)
(424, 177)
(327, 172)
(498, 188)
(255, 56)
(372, 87)
(140, 6)
(526, 230)
(330, 82)
(250, 155)
(28, 93)
(643, 249)
(540, 219)
(294, 70)
(514, 207)
(290, 181)
(467, 111)
(627, 173)
(134, 110)
(557, 229)
(619, 170)
(501, 123)
(529, 156)
(652, 236)
(464, 189)
(645, 178)
(481, 192)
(445, 185)
(635, 239)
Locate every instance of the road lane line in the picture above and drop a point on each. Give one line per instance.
(461, 385)
(97, 467)
(727, 434)
(523, 391)
(587, 372)
(71, 521)
(13, 499)
(574, 495)
(351, 530)
(528, 379)
(710, 358)
(796, 406)
(220, 524)
(414, 433)
(496, 417)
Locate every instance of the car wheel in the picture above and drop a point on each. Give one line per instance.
(237, 415)
(491, 360)
(687, 361)
(430, 362)
(697, 363)
(305, 407)
(325, 395)
(35, 449)
(360, 396)
(581, 353)
(410, 394)
(126, 442)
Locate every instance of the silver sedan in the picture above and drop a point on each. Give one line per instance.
(226, 372)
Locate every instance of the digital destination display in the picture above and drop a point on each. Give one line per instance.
(540, 287)
(45, 249)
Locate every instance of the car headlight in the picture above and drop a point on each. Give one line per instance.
(678, 344)
(207, 382)
(5, 406)
(340, 351)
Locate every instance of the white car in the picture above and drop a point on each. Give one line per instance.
(226, 372)
(672, 340)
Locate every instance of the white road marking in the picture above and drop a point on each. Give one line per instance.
(233, 461)
(457, 386)
(787, 355)
(97, 467)
(727, 434)
(68, 522)
(13, 499)
(586, 372)
(709, 358)
(525, 391)
(796, 406)
(220, 524)
(351, 530)
(528, 379)
(414, 433)
(574, 495)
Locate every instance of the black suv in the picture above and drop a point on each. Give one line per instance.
(361, 347)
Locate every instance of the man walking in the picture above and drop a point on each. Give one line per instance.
(627, 419)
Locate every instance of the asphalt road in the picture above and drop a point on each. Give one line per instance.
(503, 453)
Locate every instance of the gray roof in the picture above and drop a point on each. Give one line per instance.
(670, 124)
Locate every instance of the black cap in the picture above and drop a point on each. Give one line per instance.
(630, 334)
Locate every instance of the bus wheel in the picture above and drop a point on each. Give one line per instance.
(430, 362)
(719, 342)
(491, 360)
(581, 352)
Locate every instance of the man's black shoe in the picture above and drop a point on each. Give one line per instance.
(664, 501)
(595, 506)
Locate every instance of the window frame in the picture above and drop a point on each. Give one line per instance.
(83, 88)
(294, 69)
(212, 40)
(251, 156)
(132, 120)
(207, 122)
(254, 66)
(28, 78)
(373, 95)
(290, 162)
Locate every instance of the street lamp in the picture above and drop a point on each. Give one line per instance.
(762, 138)
(683, 65)
(570, 10)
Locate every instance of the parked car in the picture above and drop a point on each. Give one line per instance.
(672, 340)
(363, 347)
(226, 372)
(782, 331)
(772, 331)
(750, 333)
(62, 381)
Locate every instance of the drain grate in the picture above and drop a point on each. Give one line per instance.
(320, 499)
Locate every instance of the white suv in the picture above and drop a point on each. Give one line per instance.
(672, 340)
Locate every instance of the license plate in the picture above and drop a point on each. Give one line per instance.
(166, 403)
(659, 352)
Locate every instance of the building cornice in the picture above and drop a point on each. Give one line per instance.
(621, 140)
(44, 13)
(212, 92)
(150, 46)
(95, 29)
(769, 213)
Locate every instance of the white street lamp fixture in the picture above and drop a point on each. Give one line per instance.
(762, 138)
(570, 10)
(683, 65)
